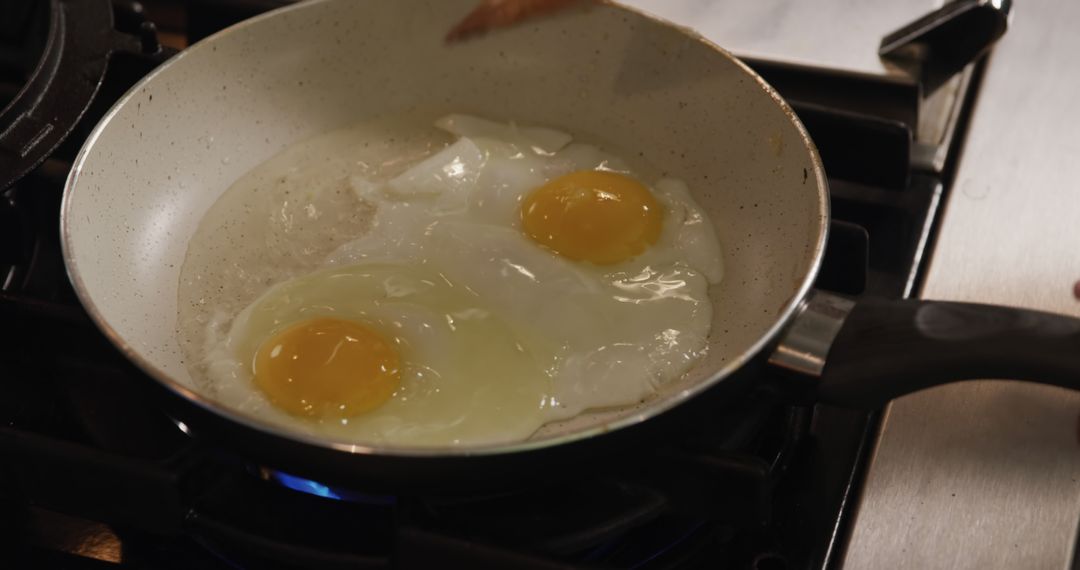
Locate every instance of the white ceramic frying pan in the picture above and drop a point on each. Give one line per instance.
(148, 174)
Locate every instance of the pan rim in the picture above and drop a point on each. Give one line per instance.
(787, 312)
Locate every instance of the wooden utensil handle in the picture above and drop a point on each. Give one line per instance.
(492, 14)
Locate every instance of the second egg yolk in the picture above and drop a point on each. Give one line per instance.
(327, 368)
(593, 215)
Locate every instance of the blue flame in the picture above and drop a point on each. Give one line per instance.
(310, 487)
(306, 486)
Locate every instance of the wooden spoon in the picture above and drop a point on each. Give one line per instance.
(491, 14)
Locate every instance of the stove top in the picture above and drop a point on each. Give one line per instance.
(94, 475)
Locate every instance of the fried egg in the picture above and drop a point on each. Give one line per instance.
(511, 278)
(612, 299)
(380, 353)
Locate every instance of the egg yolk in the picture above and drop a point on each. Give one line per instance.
(327, 368)
(593, 215)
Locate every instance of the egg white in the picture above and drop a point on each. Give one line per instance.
(607, 335)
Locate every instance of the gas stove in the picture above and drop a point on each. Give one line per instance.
(94, 475)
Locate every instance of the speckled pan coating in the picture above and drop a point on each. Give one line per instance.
(179, 139)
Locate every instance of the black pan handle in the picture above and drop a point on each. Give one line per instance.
(881, 349)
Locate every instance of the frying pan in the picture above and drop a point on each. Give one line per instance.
(170, 147)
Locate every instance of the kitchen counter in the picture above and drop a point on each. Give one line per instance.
(986, 474)
(837, 34)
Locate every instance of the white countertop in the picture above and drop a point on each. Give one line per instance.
(842, 34)
(986, 475)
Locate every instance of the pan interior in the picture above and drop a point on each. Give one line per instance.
(179, 139)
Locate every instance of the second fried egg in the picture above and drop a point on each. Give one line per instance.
(613, 305)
